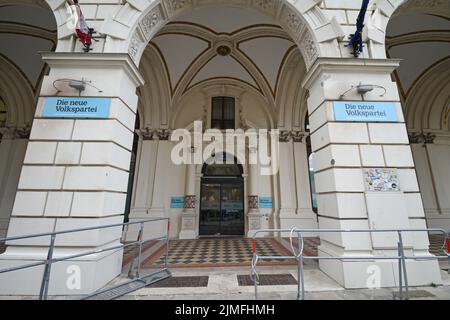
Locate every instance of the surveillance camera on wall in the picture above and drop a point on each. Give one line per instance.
(365, 88)
(78, 85)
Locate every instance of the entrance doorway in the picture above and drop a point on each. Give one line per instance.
(222, 201)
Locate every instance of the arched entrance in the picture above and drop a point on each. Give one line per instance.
(222, 200)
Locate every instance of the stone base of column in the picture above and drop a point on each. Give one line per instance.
(151, 229)
(255, 222)
(188, 226)
(438, 220)
(377, 273)
(80, 276)
(131, 232)
(289, 218)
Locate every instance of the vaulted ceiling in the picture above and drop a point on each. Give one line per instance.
(222, 42)
(419, 34)
(26, 28)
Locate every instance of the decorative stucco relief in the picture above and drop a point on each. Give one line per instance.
(293, 135)
(265, 4)
(309, 49)
(13, 132)
(176, 5)
(149, 21)
(280, 10)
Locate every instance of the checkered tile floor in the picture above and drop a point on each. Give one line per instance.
(217, 252)
(311, 244)
(437, 244)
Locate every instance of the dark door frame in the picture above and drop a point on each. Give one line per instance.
(235, 180)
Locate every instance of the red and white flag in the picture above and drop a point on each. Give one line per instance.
(82, 28)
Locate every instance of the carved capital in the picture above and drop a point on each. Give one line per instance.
(189, 202)
(12, 132)
(421, 137)
(285, 136)
(253, 202)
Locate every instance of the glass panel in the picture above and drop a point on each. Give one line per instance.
(216, 124)
(222, 113)
(210, 209)
(232, 210)
(222, 170)
(312, 182)
(216, 113)
(228, 109)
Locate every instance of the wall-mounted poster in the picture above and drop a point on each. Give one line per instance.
(265, 202)
(364, 111)
(381, 179)
(177, 202)
(76, 107)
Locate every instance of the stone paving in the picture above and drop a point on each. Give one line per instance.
(223, 285)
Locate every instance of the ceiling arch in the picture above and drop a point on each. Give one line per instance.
(189, 51)
(428, 104)
(300, 19)
(421, 38)
(26, 28)
(260, 57)
(17, 93)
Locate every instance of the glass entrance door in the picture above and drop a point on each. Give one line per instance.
(222, 207)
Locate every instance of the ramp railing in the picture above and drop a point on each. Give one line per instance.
(300, 257)
(113, 292)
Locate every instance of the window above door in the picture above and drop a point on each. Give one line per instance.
(223, 113)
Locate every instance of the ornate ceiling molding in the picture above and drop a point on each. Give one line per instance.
(427, 104)
(417, 37)
(384, 10)
(298, 18)
(27, 30)
(214, 40)
(434, 7)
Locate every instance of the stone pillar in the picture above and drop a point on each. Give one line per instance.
(254, 215)
(188, 217)
(437, 148)
(75, 175)
(306, 217)
(343, 150)
(13, 143)
(288, 193)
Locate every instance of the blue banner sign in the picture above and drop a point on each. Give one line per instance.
(265, 202)
(76, 107)
(362, 111)
(177, 202)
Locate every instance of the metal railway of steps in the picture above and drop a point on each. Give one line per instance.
(127, 287)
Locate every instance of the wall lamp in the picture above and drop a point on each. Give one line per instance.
(362, 89)
(79, 85)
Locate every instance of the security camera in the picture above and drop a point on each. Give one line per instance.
(365, 88)
(77, 85)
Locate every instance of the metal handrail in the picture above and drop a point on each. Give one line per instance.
(50, 260)
(300, 257)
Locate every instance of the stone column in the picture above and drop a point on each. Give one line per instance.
(145, 178)
(13, 143)
(75, 175)
(288, 193)
(188, 217)
(343, 151)
(306, 217)
(254, 215)
(438, 153)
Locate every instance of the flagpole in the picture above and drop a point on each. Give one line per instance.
(355, 39)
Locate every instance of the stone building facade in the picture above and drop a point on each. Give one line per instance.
(284, 64)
